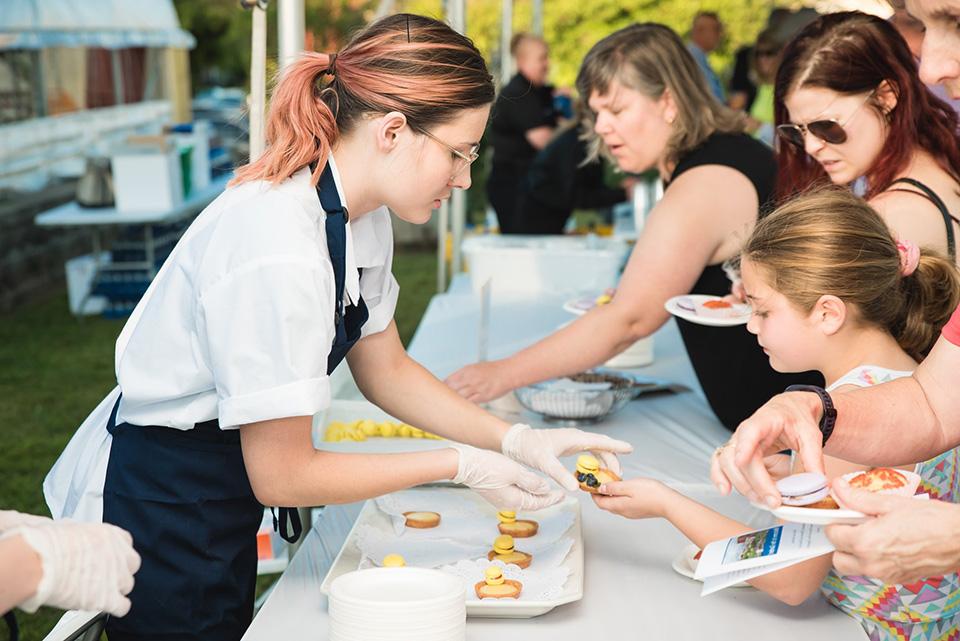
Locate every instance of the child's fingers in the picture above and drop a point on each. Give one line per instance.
(614, 488)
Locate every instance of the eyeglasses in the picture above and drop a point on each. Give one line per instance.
(829, 131)
(460, 160)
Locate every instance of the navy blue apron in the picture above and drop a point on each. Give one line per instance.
(185, 497)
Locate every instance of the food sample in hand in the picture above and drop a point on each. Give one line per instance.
(803, 489)
(590, 475)
(422, 520)
(495, 586)
(517, 528)
(393, 561)
(504, 551)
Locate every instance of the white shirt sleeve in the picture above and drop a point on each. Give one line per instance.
(268, 328)
(373, 241)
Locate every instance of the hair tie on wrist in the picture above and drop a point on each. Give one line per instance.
(909, 257)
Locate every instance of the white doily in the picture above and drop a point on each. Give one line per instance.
(545, 555)
(465, 517)
(453, 507)
(538, 585)
(374, 544)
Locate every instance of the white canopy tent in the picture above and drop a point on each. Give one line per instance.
(109, 24)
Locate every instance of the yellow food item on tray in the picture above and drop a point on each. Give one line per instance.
(361, 430)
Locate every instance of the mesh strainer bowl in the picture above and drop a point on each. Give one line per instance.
(578, 406)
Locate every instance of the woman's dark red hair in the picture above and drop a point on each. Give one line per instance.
(852, 53)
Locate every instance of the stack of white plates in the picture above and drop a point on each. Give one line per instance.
(390, 604)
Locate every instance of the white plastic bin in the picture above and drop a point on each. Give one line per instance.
(147, 179)
(533, 265)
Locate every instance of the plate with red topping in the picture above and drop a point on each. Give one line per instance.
(708, 310)
(686, 564)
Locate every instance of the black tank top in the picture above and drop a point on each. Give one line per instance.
(733, 371)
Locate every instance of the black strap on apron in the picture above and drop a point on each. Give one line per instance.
(11, 619)
(347, 321)
(948, 218)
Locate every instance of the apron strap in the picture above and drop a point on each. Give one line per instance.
(291, 515)
(336, 228)
(11, 619)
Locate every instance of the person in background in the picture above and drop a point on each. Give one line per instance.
(852, 109)
(705, 35)
(833, 290)
(650, 108)
(561, 180)
(742, 91)
(65, 564)
(766, 59)
(912, 32)
(524, 119)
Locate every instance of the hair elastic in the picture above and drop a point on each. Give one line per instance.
(909, 257)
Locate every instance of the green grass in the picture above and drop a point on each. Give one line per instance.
(54, 370)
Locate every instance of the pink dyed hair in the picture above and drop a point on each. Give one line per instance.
(407, 63)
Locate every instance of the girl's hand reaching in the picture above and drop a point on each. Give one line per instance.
(639, 498)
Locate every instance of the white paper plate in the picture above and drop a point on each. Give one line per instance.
(740, 313)
(815, 516)
(684, 564)
(348, 559)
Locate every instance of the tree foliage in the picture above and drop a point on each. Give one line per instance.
(570, 27)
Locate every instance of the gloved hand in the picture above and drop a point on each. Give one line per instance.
(540, 450)
(86, 566)
(501, 482)
(10, 519)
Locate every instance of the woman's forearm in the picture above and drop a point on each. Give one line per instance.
(587, 342)
(412, 394)
(20, 572)
(285, 470)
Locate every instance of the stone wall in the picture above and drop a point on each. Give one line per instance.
(32, 257)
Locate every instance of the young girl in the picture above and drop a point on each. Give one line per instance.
(851, 109)
(833, 291)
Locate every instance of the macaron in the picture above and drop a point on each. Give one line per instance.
(393, 561)
(803, 489)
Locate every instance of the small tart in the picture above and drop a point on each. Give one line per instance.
(509, 589)
(520, 559)
(422, 520)
(603, 475)
(519, 529)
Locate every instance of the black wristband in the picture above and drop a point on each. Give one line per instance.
(829, 418)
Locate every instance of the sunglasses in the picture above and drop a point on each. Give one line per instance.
(830, 131)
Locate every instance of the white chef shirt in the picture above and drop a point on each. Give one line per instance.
(238, 324)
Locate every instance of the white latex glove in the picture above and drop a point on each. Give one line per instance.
(541, 449)
(86, 566)
(501, 482)
(10, 519)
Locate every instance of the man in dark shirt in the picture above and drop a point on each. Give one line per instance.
(558, 182)
(523, 121)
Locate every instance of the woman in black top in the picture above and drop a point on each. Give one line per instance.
(650, 108)
(850, 108)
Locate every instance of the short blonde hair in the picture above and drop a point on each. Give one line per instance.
(651, 58)
(829, 242)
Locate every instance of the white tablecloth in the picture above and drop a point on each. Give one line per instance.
(631, 592)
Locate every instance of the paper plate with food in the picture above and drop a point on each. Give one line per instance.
(807, 498)
(686, 562)
(708, 310)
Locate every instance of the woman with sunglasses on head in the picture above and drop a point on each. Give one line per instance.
(227, 357)
(852, 109)
(650, 107)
